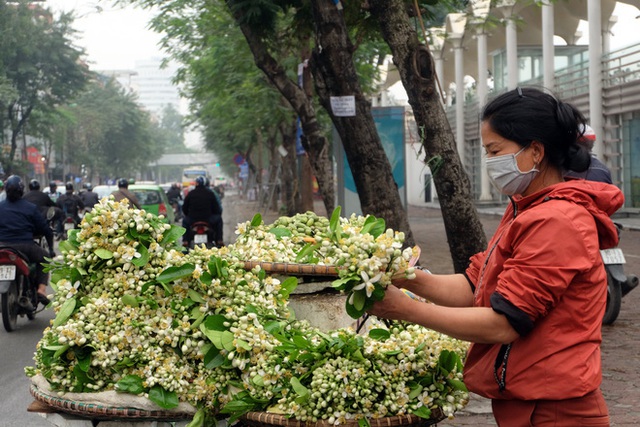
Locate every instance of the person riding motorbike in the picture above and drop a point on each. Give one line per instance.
(123, 193)
(88, 196)
(202, 205)
(70, 203)
(175, 199)
(597, 171)
(44, 203)
(53, 191)
(21, 221)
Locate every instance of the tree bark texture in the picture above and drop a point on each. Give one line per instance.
(314, 142)
(335, 75)
(415, 63)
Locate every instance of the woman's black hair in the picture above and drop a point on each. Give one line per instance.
(525, 115)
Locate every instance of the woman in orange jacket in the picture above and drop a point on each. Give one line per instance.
(532, 303)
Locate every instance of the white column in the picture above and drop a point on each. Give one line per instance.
(512, 53)
(548, 48)
(456, 41)
(594, 13)
(482, 91)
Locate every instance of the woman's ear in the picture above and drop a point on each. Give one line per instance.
(537, 149)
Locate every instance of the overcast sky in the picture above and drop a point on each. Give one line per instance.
(116, 37)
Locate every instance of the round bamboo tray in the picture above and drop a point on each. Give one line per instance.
(265, 419)
(294, 269)
(101, 412)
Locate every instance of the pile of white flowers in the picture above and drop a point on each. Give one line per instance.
(366, 254)
(136, 315)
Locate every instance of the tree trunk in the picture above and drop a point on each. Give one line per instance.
(335, 75)
(314, 142)
(415, 63)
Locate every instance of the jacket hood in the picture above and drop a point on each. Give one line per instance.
(601, 200)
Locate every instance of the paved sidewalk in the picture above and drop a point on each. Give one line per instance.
(620, 348)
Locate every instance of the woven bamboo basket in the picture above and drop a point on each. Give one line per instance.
(100, 412)
(265, 419)
(294, 269)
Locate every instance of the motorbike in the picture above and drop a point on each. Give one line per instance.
(17, 290)
(68, 224)
(177, 209)
(203, 233)
(619, 284)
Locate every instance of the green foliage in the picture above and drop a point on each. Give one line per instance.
(40, 67)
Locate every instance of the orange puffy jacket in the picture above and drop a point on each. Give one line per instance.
(543, 264)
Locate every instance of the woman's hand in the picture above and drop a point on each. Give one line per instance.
(394, 305)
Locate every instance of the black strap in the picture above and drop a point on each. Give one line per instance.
(501, 360)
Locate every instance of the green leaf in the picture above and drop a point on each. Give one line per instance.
(359, 298)
(195, 296)
(422, 412)
(416, 389)
(215, 322)
(341, 284)
(144, 256)
(237, 408)
(256, 220)
(65, 312)
(300, 390)
(353, 312)
(103, 253)
(130, 300)
(163, 398)
(213, 358)
(175, 272)
(258, 380)
(82, 379)
(363, 422)
(334, 224)
(130, 384)
(65, 246)
(59, 352)
(457, 384)
(288, 286)
(281, 232)
(243, 344)
(172, 234)
(379, 334)
(198, 419)
(84, 362)
(305, 255)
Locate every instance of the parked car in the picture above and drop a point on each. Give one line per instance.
(152, 198)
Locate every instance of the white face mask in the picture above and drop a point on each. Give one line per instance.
(505, 175)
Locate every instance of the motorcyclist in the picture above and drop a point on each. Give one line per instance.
(53, 191)
(175, 199)
(45, 204)
(88, 196)
(597, 171)
(202, 205)
(21, 221)
(70, 203)
(123, 193)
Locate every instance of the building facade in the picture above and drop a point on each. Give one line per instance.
(497, 46)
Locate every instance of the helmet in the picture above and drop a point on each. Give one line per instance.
(587, 136)
(1, 184)
(34, 185)
(14, 188)
(88, 186)
(123, 183)
(69, 186)
(200, 181)
(53, 184)
(132, 181)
